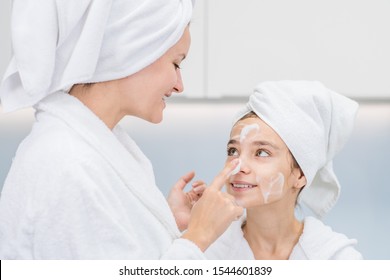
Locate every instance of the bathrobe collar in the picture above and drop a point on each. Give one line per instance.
(319, 242)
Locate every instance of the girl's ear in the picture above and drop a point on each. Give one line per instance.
(301, 180)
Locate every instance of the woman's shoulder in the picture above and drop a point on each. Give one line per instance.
(319, 242)
(51, 140)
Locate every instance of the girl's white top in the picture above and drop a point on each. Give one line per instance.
(317, 242)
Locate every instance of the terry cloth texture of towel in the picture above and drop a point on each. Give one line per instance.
(57, 44)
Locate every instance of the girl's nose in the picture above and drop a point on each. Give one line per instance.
(244, 167)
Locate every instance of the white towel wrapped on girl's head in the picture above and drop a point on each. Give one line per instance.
(315, 123)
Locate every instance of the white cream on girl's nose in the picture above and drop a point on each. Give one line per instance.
(237, 169)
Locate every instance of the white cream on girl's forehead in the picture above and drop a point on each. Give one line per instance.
(273, 187)
(246, 129)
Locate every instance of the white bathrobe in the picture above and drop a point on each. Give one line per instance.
(317, 242)
(77, 190)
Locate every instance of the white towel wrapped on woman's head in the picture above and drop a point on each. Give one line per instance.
(315, 123)
(57, 44)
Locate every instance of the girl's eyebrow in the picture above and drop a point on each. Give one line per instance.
(232, 142)
(255, 143)
(265, 143)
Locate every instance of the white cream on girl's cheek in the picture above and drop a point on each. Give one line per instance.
(272, 186)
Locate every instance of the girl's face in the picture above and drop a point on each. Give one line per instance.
(266, 173)
(143, 94)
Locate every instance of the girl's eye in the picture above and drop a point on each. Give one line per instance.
(231, 152)
(262, 153)
(177, 66)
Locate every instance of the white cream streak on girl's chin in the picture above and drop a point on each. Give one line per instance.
(273, 187)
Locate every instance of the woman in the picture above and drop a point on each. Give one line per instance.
(285, 139)
(79, 186)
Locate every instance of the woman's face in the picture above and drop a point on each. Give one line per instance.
(266, 173)
(143, 94)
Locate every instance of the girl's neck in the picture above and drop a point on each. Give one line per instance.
(271, 236)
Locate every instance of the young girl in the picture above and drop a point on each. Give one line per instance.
(285, 139)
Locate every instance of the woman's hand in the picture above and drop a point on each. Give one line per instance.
(181, 202)
(214, 211)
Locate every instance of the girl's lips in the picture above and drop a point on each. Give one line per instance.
(242, 186)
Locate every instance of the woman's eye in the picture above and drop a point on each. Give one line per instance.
(231, 152)
(262, 153)
(177, 66)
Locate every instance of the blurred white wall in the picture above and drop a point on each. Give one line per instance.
(237, 44)
(344, 44)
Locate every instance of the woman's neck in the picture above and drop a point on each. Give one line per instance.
(98, 100)
(271, 235)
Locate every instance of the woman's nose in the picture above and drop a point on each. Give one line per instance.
(179, 87)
